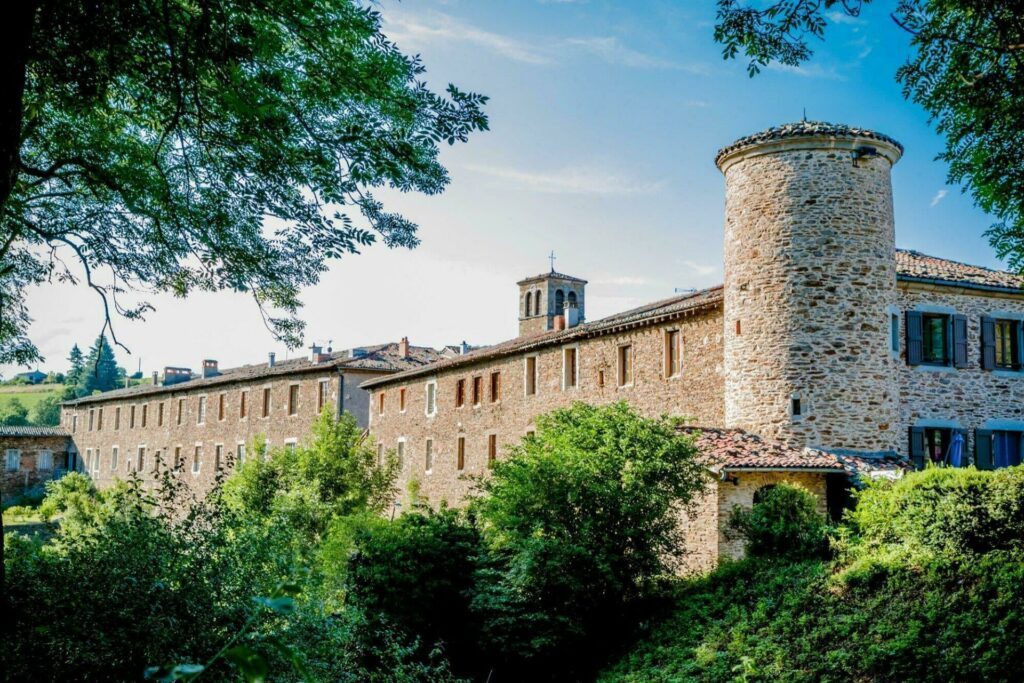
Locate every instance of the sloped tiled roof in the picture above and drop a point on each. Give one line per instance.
(913, 265)
(738, 449)
(804, 129)
(32, 431)
(377, 358)
(650, 313)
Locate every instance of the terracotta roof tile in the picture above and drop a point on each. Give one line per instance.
(738, 449)
(913, 265)
(803, 129)
(31, 431)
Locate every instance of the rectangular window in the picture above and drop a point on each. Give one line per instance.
(600, 378)
(492, 449)
(178, 462)
(197, 457)
(431, 402)
(1007, 343)
(92, 418)
(495, 387)
(380, 455)
(625, 365)
(935, 339)
(290, 445)
(460, 393)
(141, 466)
(218, 456)
(531, 375)
(222, 401)
(380, 403)
(322, 391)
(401, 400)
(1006, 448)
(241, 453)
(894, 332)
(266, 402)
(12, 460)
(131, 417)
(201, 412)
(429, 459)
(673, 350)
(478, 390)
(160, 414)
(117, 418)
(570, 371)
(460, 455)
(181, 409)
(293, 399)
(44, 460)
(74, 424)
(243, 404)
(401, 454)
(88, 460)
(115, 453)
(145, 414)
(99, 419)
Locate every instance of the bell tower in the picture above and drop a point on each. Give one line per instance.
(546, 297)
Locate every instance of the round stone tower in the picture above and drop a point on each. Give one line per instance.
(810, 285)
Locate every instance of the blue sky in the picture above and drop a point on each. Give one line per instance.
(605, 119)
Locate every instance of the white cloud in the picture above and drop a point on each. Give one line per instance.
(623, 281)
(844, 18)
(939, 196)
(436, 26)
(808, 71)
(611, 50)
(579, 179)
(700, 268)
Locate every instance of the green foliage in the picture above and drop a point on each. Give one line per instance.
(100, 372)
(965, 70)
(578, 522)
(928, 588)
(14, 414)
(76, 366)
(784, 521)
(47, 411)
(151, 141)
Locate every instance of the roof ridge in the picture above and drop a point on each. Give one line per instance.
(915, 252)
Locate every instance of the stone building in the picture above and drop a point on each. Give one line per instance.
(825, 349)
(202, 423)
(32, 456)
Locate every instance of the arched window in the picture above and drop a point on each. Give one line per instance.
(529, 304)
(559, 301)
(572, 299)
(536, 302)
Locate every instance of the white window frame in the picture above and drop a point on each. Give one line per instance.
(16, 452)
(115, 455)
(240, 453)
(326, 393)
(41, 455)
(218, 456)
(201, 410)
(197, 458)
(291, 443)
(430, 384)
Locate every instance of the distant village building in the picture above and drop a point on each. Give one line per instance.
(826, 350)
(33, 377)
(203, 422)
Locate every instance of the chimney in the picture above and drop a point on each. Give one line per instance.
(463, 348)
(270, 359)
(156, 377)
(314, 354)
(572, 315)
(559, 322)
(174, 375)
(210, 368)
(403, 347)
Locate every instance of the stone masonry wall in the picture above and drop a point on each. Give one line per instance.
(966, 398)
(809, 275)
(697, 392)
(188, 437)
(28, 473)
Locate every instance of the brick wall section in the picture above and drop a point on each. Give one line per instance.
(28, 473)
(967, 396)
(697, 393)
(279, 427)
(809, 274)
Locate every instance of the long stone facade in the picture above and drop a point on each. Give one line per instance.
(824, 339)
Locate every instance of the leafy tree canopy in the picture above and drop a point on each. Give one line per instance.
(100, 372)
(145, 145)
(967, 71)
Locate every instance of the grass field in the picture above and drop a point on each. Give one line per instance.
(28, 394)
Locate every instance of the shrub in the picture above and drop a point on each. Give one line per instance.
(578, 522)
(784, 522)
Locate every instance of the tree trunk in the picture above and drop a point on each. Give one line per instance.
(15, 36)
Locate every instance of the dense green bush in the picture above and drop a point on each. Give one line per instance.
(783, 522)
(578, 522)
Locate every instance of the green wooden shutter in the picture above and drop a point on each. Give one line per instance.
(1020, 345)
(960, 341)
(983, 449)
(917, 447)
(988, 343)
(915, 337)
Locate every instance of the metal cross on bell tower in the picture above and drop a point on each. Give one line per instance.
(551, 258)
